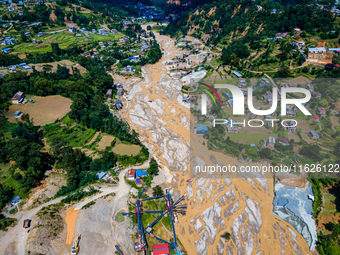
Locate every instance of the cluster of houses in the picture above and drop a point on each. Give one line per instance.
(190, 77)
(7, 41)
(108, 45)
(21, 66)
(145, 46)
(124, 39)
(88, 54)
(136, 175)
(117, 105)
(333, 9)
(271, 141)
(187, 42)
(321, 53)
(83, 31)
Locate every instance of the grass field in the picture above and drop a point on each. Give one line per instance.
(105, 142)
(126, 149)
(119, 148)
(44, 110)
(64, 39)
(329, 205)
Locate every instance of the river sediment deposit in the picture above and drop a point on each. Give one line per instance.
(242, 206)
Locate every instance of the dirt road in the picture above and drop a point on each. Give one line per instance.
(97, 224)
(17, 236)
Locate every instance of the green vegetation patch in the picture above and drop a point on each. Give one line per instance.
(76, 135)
(120, 217)
(6, 222)
(79, 195)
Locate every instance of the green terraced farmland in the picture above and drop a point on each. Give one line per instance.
(64, 39)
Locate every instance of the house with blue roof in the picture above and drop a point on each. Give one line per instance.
(237, 74)
(313, 134)
(6, 50)
(100, 175)
(16, 200)
(202, 130)
(140, 173)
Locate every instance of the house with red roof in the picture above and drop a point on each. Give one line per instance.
(161, 249)
(131, 174)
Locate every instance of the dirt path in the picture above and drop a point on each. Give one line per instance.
(18, 234)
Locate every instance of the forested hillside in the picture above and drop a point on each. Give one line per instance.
(221, 21)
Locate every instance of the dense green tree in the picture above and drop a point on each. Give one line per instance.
(6, 194)
(266, 153)
(157, 191)
(26, 130)
(226, 235)
(312, 152)
(153, 168)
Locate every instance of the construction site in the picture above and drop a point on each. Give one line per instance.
(170, 209)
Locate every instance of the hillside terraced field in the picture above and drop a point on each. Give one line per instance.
(64, 39)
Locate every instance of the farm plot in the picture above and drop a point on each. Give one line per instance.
(43, 111)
